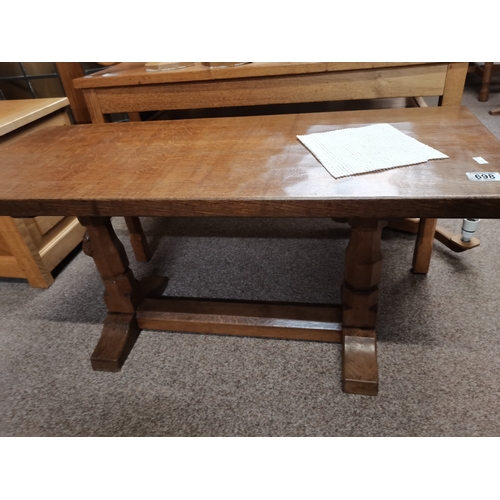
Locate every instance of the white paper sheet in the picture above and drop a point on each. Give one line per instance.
(353, 151)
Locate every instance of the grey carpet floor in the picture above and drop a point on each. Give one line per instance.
(438, 349)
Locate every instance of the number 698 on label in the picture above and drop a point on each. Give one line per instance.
(483, 176)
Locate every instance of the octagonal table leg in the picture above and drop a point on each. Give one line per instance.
(363, 266)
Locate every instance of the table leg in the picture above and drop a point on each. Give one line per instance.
(363, 267)
(138, 239)
(134, 116)
(484, 93)
(122, 295)
(424, 245)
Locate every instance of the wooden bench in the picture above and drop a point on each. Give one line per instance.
(129, 87)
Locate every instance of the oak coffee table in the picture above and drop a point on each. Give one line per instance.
(245, 167)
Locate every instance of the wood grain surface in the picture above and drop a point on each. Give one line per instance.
(135, 73)
(16, 113)
(294, 88)
(272, 320)
(245, 166)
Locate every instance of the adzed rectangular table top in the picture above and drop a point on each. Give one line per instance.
(245, 166)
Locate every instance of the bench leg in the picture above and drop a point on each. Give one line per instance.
(484, 93)
(138, 239)
(424, 245)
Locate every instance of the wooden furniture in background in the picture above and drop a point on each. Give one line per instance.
(486, 73)
(31, 247)
(222, 64)
(129, 87)
(166, 66)
(269, 174)
(68, 71)
(20, 116)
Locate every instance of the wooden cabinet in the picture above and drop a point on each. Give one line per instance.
(31, 248)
